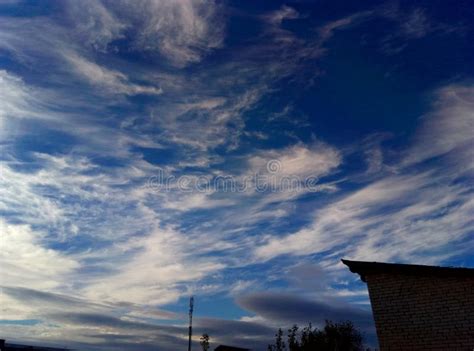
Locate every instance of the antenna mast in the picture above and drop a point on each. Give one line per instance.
(191, 307)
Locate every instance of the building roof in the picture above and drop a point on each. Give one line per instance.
(365, 268)
(229, 348)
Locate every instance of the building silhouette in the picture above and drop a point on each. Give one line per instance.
(420, 307)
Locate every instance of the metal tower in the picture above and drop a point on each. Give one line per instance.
(191, 307)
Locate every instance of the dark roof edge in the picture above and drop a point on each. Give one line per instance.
(364, 268)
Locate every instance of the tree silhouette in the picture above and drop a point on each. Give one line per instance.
(293, 342)
(279, 343)
(204, 342)
(333, 337)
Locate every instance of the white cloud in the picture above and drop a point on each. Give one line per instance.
(416, 24)
(328, 30)
(28, 109)
(94, 23)
(449, 127)
(284, 13)
(207, 121)
(112, 81)
(374, 159)
(26, 262)
(152, 275)
(275, 20)
(183, 31)
(19, 197)
(299, 160)
(19, 101)
(194, 200)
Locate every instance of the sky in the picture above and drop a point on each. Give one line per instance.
(231, 150)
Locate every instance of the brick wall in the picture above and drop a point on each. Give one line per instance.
(422, 312)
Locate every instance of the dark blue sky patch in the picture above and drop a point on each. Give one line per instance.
(157, 156)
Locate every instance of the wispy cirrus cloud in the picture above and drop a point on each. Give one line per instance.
(108, 80)
(447, 128)
(95, 25)
(183, 31)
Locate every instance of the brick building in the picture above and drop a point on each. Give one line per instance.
(420, 307)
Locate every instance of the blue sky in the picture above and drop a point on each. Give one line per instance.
(234, 151)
